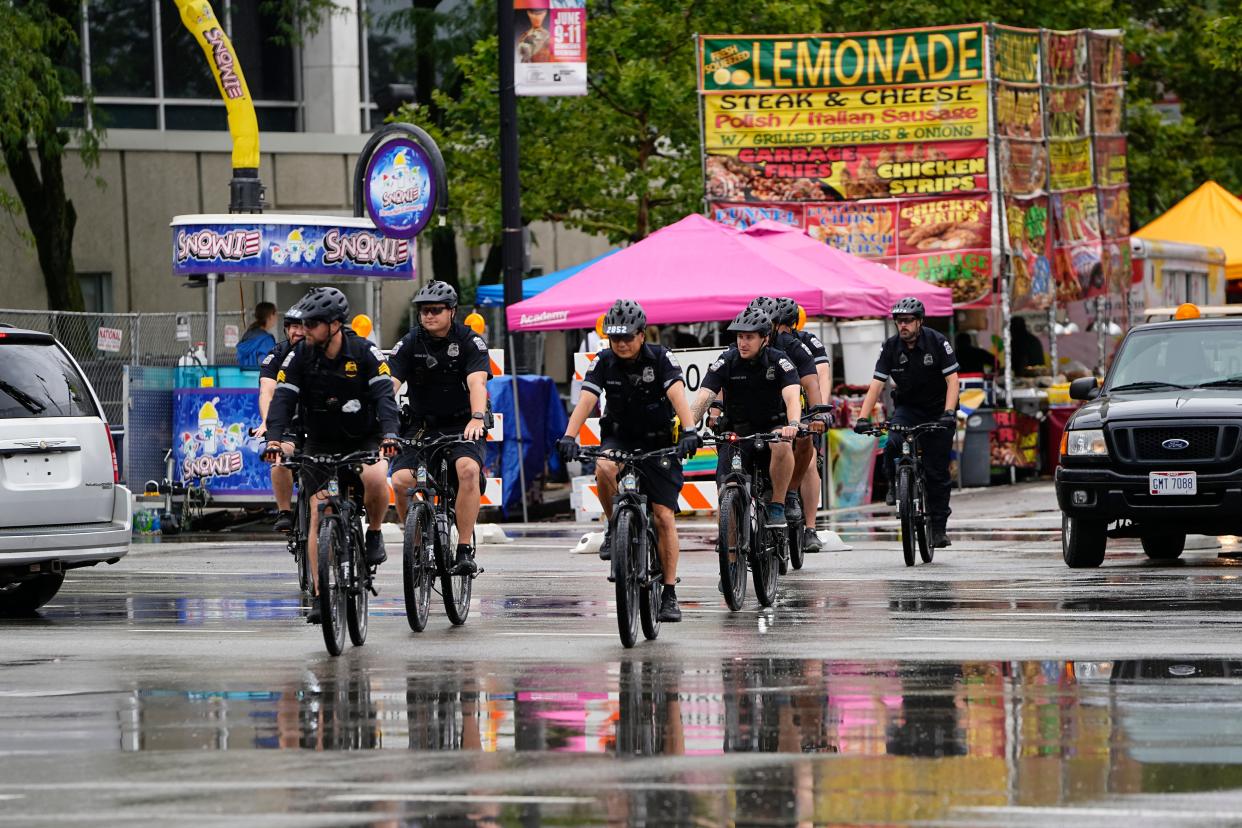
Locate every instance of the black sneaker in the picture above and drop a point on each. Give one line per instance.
(312, 615)
(890, 497)
(376, 553)
(605, 547)
(284, 521)
(669, 611)
(793, 508)
(464, 564)
(811, 542)
(940, 539)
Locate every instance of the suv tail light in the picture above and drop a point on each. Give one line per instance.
(116, 472)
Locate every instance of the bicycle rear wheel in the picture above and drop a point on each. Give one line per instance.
(625, 568)
(922, 527)
(731, 546)
(359, 603)
(905, 511)
(332, 586)
(455, 589)
(418, 568)
(301, 532)
(766, 563)
(649, 595)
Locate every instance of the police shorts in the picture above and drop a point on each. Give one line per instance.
(408, 460)
(661, 481)
(314, 477)
(751, 455)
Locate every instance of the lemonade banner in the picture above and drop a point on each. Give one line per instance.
(834, 61)
(850, 116)
(845, 173)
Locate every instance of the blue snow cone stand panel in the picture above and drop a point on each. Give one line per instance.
(213, 444)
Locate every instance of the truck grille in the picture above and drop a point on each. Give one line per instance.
(1206, 444)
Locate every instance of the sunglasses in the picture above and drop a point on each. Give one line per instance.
(311, 324)
(427, 310)
(906, 320)
(624, 339)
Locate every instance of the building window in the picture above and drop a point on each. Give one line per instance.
(122, 49)
(96, 292)
(387, 53)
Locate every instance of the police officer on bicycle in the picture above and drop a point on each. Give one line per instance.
(282, 478)
(761, 393)
(446, 367)
(644, 388)
(923, 367)
(341, 385)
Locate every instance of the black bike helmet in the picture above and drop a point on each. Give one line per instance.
(436, 291)
(625, 318)
(909, 307)
(324, 303)
(752, 320)
(764, 303)
(293, 316)
(785, 312)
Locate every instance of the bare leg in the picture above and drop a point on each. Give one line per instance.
(375, 497)
(282, 486)
(606, 482)
(666, 529)
(402, 482)
(781, 469)
(810, 496)
(468, 497)
(312, 542)
(803, 453)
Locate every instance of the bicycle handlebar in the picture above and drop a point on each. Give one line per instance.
(354, 458)
(914, 430)
(622, 456)
(441, 440)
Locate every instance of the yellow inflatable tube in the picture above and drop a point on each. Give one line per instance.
(199, 18)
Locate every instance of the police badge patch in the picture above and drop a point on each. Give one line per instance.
(453, 349)
(771, 374)
(648, 374)
(927, 359)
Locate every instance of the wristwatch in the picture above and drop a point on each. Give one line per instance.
(478, 415)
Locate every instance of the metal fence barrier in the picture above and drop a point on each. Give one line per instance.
(103, 343)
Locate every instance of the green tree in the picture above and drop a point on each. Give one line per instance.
(38, 44)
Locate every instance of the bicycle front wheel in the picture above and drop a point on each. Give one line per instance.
(905, 511)
(922, 528)
(731, 546)
(649, 595)
(455, 589)
(766, 563)
(332, 584)
(418, 569)
(302, 531)
(359, 604)
(625, 568)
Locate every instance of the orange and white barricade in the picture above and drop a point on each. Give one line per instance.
(696, 496)
(493, 495)
(496, 358)
(589, 434)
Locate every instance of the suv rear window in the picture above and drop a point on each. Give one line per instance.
(38, 380)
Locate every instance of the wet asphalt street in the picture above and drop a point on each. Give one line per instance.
(993, 686)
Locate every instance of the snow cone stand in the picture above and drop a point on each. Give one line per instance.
(399, 185)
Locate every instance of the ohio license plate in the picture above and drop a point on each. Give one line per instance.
(1173, 483)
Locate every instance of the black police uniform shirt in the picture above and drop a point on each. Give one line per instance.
(636, 403)
(436, 370)
(919, 372)
(799, 354)
(753, 388)
(815, 346)
(271, 363)
(342, 399)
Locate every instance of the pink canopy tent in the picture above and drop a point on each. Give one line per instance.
(697, 271)
(937, 300)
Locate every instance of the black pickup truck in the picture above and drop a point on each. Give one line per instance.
(1156, 451)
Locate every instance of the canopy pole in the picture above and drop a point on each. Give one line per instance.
(517, 422)
(211, 317)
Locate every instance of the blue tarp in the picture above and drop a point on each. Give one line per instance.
(543, 423)
(495, 294)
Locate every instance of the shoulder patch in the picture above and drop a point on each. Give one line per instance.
(288, 359)
(383, 369)
(280, 375)
(786, 364)
(815, 341)
(377, 353)
(267, 360)
(479, 343)
(397, 347)
(717, 365)
(948, 349)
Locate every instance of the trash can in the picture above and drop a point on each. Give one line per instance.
(977, 449)
(860, 345)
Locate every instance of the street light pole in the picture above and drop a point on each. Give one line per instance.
(510, 185)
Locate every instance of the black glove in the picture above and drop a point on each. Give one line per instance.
(689, 443)
(389, 446)
(862, 426)
(949, 420)
(567, 448)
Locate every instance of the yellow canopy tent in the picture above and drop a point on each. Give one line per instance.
(1210, 216)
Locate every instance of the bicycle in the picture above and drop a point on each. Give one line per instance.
(793, 512)
(428, 550)
(745, 539)
(911, 490)
(301, 527)
(345, 580)
(636, 568)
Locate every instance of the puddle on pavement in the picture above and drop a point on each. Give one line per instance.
(879, 741)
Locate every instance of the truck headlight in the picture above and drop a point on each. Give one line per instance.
(1086, 442)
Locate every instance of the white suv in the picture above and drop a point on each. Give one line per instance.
(61, 502)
